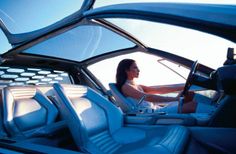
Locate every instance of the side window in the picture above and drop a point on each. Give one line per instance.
(153, 70)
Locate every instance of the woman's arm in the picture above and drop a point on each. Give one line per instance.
(130, 91)
(162, 89)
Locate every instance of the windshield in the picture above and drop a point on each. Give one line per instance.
(27, 15)
(208, 49)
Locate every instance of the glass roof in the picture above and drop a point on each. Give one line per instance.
(81, 43)
(27, 15)
(18, 20)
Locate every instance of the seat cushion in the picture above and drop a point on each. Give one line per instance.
(128, 135)
(158, 139)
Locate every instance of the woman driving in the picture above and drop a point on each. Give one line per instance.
(127, 71)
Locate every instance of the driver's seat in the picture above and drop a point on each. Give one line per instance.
(125, 104)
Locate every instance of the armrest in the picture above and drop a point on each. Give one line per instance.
(177, 119)
(139, 119)
(157, 119)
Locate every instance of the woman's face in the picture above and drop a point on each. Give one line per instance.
(133, 71)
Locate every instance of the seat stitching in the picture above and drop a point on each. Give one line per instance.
(178, 143)
(171, 136)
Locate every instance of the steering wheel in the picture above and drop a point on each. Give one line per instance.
(190, 77)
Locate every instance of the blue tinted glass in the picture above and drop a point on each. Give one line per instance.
(29, 15)
(81, 43)
(5, 46)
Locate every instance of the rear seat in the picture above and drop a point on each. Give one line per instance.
(3, 133)
(28, 115)
(48, 91)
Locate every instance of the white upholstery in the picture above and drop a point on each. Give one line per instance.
(27, 112)
(97, 126)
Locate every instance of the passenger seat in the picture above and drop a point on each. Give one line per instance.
(97, 126)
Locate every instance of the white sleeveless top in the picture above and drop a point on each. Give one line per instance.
(171, 107)
(144, 104)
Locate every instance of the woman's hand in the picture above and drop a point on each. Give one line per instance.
(189, 104)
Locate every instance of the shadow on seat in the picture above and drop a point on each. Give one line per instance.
(225, 114)
(97, 126)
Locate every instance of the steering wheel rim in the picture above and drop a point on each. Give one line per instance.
(189, 78)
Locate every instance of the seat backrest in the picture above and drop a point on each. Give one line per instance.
(125, 104)
(26, 111)
(225, 114)
(90, 116)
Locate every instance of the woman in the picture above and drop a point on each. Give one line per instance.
(127, 70)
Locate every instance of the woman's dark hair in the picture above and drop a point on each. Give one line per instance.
(121, 75)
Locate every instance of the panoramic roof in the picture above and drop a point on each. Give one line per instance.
(20, 26)
(81, 43)
(33, 17)
(83, 40)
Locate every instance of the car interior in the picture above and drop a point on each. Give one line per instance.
(78, 118)
(55, 104)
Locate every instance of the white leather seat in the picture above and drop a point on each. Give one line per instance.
(97, 126)
(27, 112)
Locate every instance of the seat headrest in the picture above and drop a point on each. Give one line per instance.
(226, 79)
